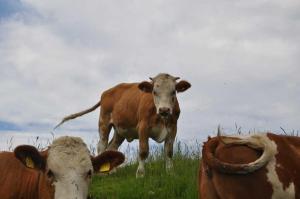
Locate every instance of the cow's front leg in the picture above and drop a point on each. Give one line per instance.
(169, 142)
(143, 153)
(169, 154)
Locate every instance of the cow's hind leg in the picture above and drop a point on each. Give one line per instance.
(116, 141)
(104, 128)
(143, 152)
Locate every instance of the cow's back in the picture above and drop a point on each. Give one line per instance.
(112, 96)
(123, 103)
(16, 181)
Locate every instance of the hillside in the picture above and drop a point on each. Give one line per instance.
(157, 184)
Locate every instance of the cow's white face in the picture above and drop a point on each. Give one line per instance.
(164, 88)
(68, 166)
(164, 95)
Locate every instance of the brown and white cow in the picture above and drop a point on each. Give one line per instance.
(63, 171)
(260, 166)
(140, 111)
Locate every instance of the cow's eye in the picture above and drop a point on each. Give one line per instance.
(89, 174)
(154, 93)
(50, 174)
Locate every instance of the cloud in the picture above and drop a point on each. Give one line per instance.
(7, 8)
(241, 58)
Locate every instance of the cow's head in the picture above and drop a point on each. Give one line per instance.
(67, 166)
(164, 88)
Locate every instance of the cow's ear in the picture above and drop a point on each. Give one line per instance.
(182, 86)
(107, 161)
(146, 86)
(31, 157)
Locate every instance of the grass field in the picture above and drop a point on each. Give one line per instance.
(157, 184)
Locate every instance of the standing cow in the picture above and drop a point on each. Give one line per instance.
(140, 111)
(63, 171)
(261, 166)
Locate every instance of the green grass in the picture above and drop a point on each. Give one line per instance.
(157, 183)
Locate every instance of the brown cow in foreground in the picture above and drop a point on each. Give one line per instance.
(63, 171)
(261, 166)
(139, 111)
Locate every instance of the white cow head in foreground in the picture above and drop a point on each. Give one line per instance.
(68, 166)
(164, 88)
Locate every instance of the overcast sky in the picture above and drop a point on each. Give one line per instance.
(241, 57)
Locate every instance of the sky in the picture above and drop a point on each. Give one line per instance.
(241, 57)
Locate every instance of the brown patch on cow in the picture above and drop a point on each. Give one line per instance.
(288, 160)
(220, 185)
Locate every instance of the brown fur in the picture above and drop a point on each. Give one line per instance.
(215, 184)
(139, 111)
(128, 107)
(18, 181)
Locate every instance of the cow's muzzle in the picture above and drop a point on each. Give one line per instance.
(164, 112)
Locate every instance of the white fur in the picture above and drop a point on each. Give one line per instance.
(259, 141)
(69, 160)
(270, 150)
(163, 87)
(169, 164)
(102, 145)
(278, 191)
(140, 172)
(159, 134)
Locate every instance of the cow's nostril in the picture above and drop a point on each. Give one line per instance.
(164, 111)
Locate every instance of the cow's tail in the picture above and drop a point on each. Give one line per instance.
(75, 115)
(257, 141)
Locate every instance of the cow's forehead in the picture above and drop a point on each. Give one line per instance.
(69, 152)
(164, 81)
(163, 76)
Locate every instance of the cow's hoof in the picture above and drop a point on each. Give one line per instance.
(170, 171)
(169, 166)
(140, 173)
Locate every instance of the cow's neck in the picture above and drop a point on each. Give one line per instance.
(160, 129)
(30, 185)
(45, 189)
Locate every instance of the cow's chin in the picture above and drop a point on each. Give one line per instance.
(164, 117)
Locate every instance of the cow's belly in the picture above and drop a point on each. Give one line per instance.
(129, 133)
(159, 134)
